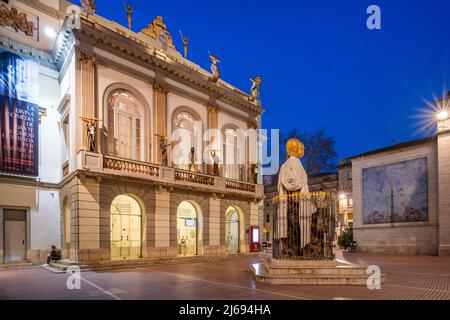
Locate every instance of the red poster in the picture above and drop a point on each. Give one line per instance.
(19, 123)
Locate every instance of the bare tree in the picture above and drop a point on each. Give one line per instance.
(320, 153)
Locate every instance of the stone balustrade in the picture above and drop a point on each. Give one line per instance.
(130, 166)
(194, 177)
(239, 185)
(101, 164)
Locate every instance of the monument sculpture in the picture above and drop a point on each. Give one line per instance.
(303, 233)
(129, 9)
(255, 90)
(185, 40)
(214, 67)
(91, 126)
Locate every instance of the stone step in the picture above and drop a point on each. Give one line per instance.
(63, 267)
(339, 270)
(107, 264)
(13, 265)
(68, 262)
(318, 280)
(329, 276)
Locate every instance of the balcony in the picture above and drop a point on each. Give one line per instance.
(104, 165)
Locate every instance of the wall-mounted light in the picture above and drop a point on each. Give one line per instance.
(50, 32)
(342, 196)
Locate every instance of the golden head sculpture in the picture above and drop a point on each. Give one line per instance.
(295, 148)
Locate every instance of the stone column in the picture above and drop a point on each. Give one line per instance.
(160, 107)
(213, 123)
(161, 224)
(214, 225)
(443, 152)
(87, 236)
(86, 72)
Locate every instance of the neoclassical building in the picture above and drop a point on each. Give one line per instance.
(122, 166)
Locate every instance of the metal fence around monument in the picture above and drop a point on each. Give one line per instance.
(307, 230)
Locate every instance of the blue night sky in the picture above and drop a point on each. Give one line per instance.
(321, 66)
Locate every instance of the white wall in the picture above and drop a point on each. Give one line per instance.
(49, 129)
(45, 220)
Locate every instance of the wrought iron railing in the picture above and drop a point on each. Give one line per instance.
(304, 225)
(194, 177)
(130, 166)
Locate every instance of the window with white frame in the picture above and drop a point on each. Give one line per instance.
(184, 122)
(124, 125)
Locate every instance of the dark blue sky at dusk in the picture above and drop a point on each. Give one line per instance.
(320, 65)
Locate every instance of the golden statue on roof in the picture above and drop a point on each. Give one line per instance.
(156, 28)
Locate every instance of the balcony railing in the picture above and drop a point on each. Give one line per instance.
(170, 176)
(239, 185)
(130, 166)
(193, 177)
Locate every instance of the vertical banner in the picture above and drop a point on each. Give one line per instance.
(19, 117)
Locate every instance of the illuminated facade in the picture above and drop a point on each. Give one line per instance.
(124, 168)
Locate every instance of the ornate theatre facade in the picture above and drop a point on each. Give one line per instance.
(112, 179)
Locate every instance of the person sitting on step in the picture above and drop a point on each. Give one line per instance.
(54, 254)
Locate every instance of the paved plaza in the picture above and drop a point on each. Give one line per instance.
(409, 277)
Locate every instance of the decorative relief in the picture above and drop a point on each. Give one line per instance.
(11, 17)
(213, 108)
(85, 58)
(156, 28)
(160, 88)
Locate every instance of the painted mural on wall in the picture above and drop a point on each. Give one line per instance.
(396, 192)
(19, 116)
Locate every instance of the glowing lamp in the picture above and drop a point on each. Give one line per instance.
(442, 115)
(50, 32)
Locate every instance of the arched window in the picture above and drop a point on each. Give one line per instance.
(124, 125)
(184, 124)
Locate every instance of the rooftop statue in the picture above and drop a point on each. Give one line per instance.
(185, 40)
(129, 9)
(255, 90)
(88, 7)
(214, 67)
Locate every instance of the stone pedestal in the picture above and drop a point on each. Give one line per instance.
(311, 272)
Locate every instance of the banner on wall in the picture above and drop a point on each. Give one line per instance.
(19, 116)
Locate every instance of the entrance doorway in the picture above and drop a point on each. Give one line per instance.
(232, 230)
(14, 230)
(126, 222)
(187, 229)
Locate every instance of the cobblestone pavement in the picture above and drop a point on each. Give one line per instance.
(409, 277)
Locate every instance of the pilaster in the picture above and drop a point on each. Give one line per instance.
(160, 108)
(443, 151)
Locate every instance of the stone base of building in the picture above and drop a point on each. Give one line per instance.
(310, 272)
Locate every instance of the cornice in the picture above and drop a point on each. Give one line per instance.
(39, 56)
(64, 44)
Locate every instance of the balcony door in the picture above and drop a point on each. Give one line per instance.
(124, 125)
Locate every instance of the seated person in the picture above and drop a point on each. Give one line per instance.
(54, 254)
